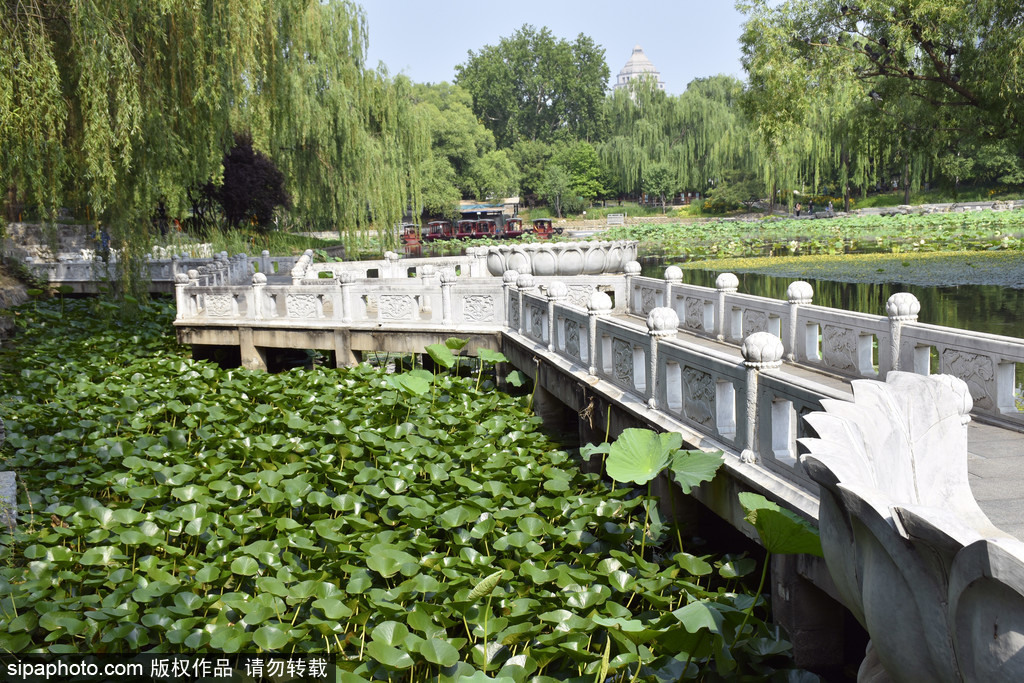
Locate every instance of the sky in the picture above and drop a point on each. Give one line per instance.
(684, 39)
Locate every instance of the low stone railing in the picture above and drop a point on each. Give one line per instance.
(751, 407)
(438, 298)
(393, 266)
(221, 269)
(855, 345)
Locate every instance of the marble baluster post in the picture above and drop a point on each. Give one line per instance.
(726, 283)
(799, 293)
(762, 352)
(662, 323)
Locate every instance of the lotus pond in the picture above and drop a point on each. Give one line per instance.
(413, 526)
(974, 231)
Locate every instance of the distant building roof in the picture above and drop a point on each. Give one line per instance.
(638, 66)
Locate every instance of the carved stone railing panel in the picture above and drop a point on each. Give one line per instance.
(645, 294)
(695, 307)
(622, 353)
(703, 389)
(847, 343)
(534, 321)
(783, 401)
(745, 315)
(571, 328)
(987, 363)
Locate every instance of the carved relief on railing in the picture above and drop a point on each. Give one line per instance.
(755, 321)
(537, 317)
(648, 300)
(221, 305)
(693, 317)
(396, 307)
(622, 362)
(303, 306)
(579, 295)
(513, 313)
(698, 397)
(976, 371)
(839, 348)
(478, 308)
(572, 339)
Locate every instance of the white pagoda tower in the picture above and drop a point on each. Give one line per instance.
(638, 67)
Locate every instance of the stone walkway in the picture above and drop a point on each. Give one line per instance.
(995, 465)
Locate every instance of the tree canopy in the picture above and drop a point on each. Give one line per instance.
(532, 86)
(880, 90)
(109, 104)
(464, 161)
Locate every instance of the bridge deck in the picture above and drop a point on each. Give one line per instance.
(995, 461)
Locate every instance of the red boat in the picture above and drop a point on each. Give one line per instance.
(513, 228)
(543, 228)
(410, 234)
(465, 229)
(485, 228)
(437, 230)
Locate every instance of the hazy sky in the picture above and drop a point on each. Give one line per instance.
(684, 39)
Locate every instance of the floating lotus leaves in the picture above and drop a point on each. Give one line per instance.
(324, 514)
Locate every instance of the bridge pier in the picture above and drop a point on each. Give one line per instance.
(252, 356)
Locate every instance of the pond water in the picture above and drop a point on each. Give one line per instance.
(993, 309)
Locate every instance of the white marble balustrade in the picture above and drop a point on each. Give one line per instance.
(847, 343)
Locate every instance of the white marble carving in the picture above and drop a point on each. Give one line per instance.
(301, 305)
(513, 313)
(839, 348)
(648, 302)
(622, 361)
(572, 338)
(754, 321)
(396, 307)
(537, 317)
(974, 369)
(939, 589)
(478, 308)
(561, 258)
(698, 396)
(220, 305)
(579, 295)
(694, 319)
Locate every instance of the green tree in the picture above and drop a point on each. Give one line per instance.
(532, 86)
(587, 175)
(556, 186)
(660, 181)
(464, 162)
(699, 134)
(110, 104)
(495, 176)
(531, 158)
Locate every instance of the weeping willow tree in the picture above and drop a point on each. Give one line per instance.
(699, 135)
(110, 104)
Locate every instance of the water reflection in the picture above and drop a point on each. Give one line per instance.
(982, 308)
